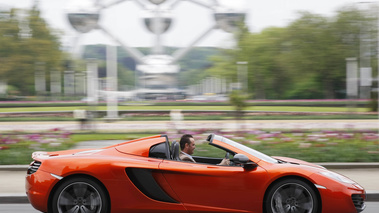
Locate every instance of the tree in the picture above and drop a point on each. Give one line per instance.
(9, 42)
(305, 60)
(26, 40)
(225, 63)
(238, 100)
(311, 57)
(269, 78)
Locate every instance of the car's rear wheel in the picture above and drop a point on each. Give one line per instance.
(291, 196)
(80, 195)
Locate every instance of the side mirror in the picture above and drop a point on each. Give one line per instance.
(245, 161)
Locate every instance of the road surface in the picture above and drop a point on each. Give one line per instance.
(372, 207)
(125, 126)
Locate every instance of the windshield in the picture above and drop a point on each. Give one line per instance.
(247, 149)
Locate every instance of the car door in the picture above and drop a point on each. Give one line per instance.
(212, 188)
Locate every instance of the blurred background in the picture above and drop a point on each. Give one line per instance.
(201, 50)
(289, 78)
(189, 64)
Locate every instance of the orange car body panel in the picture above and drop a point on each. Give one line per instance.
(37, 186)
(221, 183)
(140, 149)
(194, 187)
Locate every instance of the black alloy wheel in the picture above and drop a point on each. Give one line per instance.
(291, 196)
(80, 195)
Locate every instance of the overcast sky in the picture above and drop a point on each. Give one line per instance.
(124, 20)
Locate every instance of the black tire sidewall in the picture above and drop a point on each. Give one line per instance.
(104, 198)
(274, 187)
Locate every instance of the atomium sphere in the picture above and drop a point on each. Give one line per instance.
(155, 64)
(157, 1)
(228, 21)
(158, 59)
(83, 22)
(158, 24)
(83, 15)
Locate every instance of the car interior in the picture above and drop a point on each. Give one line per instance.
(167, 151)
(175, 150)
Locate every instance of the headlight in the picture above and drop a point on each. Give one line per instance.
(337, 177)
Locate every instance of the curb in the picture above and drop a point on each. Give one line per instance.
(369, 165)
(13, 168)
(372, 196)
(13, 199)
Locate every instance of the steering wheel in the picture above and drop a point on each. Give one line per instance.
(227, 155)
(231, 163)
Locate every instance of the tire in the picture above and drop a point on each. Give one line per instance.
(291, 196)
(81, 195)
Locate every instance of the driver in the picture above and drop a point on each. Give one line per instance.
(187, 145)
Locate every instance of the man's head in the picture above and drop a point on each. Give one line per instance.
(187, 144)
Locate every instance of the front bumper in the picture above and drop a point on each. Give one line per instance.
(349, 201)
(339, 197)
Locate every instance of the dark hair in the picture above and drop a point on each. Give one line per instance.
(185, 139)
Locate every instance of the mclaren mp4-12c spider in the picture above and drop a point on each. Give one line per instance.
(146, 175)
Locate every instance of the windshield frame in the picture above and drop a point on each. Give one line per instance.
(242, 147)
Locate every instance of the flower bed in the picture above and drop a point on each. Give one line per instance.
(312, 146)
(16, 148)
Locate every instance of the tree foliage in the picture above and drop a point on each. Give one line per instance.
(26, 40)
(238, 100)
(305, 60)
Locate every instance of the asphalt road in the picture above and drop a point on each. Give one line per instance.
(372, 207)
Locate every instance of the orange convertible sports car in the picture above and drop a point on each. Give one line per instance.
(146, 175)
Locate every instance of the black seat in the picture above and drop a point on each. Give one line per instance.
(175, 151)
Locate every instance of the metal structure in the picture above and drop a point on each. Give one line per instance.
(157, 71)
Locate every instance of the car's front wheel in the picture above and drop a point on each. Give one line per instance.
(80, 195)
(291, 196)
